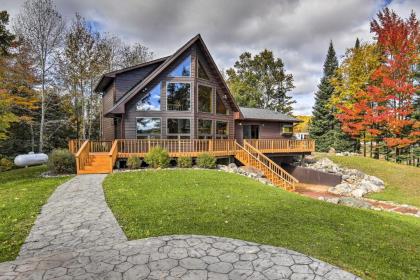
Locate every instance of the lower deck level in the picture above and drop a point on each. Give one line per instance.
(101, 156)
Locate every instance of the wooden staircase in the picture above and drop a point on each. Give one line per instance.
(250, 156)
(93, 157)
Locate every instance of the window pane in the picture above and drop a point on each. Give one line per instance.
(204, 126)
(148, 126)
(220, 106)
(178, 96)
(204, 99)
(287, 129)
(179, 126)
(201, 72)
(151, 102)
(183, 69)
(221, 128)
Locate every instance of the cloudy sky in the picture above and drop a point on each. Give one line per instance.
(298, 31)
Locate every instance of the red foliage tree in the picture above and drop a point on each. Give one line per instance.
(392, 90)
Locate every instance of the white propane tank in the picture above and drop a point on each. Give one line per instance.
(31, 159)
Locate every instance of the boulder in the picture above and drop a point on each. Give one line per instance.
(359, 192)
(331, 150)
(375, 180)
(343, 188)
(232, 165)
(250, 172)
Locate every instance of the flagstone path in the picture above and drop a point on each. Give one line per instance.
(76, 236)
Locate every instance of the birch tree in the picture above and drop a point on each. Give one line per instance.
(41, 27)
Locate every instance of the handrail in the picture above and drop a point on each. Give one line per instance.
(283, 145)
(113, 154)
(75, 144)
(182, 147)
(82, 156)
(279, 170)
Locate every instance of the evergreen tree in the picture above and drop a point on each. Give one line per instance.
(357, 44)
(325, 128)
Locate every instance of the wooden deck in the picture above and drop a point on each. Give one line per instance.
(100, 156)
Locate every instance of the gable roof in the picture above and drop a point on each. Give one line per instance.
(119, 107)
(107, 78)
(265, 114)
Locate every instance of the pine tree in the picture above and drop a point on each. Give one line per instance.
(325, 128)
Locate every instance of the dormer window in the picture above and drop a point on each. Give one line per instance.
(183, 69)
(151, 101)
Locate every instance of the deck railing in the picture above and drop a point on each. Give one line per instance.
(113, 153)
(100, 146)
(288, 180)
(187, 147)
(75, 144)
(282, 145)
(82, 156)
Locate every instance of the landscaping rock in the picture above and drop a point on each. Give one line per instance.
(250, 172)
(354, 182)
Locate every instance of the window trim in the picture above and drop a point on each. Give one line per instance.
(227, 129)
(166, 95)
(212, 129)
(226, 107)
(287, 126)
(160, 100)
(204, 69)
(212, 103)
(148, 135)
(179, 134)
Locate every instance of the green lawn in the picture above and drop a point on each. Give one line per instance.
(371, 244)
(22, 194)
(402, 182)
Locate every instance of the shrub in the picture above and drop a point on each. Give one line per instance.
(184, 162)
(206, 161)
(5, 164)
(61, 161)
(133, 162)
(157, 158)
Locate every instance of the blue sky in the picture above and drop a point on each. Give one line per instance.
(298, 31)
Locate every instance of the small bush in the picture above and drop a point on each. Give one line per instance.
(157, 158)
(61, 161)
(206, 161)
(133, 162)
(184, 162)
(5, 164)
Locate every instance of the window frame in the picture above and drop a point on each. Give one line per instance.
(148, 92)
(205, 135)
(148, 135)
(222, 136)
(200, 65)
(211, 98)
(178, 134)
(287, 126)
(166, 95)
(221, 100)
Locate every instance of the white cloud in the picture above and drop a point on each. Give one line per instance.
(297, 31)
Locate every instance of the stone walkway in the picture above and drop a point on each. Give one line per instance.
(77, 237)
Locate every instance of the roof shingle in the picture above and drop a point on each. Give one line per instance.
(265, 114)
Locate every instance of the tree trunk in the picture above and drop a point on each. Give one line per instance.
(364, 144)
(42, 122)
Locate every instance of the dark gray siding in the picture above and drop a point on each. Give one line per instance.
(125, 81)
(108, 131)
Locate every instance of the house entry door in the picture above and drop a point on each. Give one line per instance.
(251, 131)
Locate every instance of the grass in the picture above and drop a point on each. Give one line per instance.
(22, 194)
(373, 245)
(402, 182)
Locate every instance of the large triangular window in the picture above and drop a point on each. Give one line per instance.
(183, 69)
(220, 106)
(151, 101)
(201, 73)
